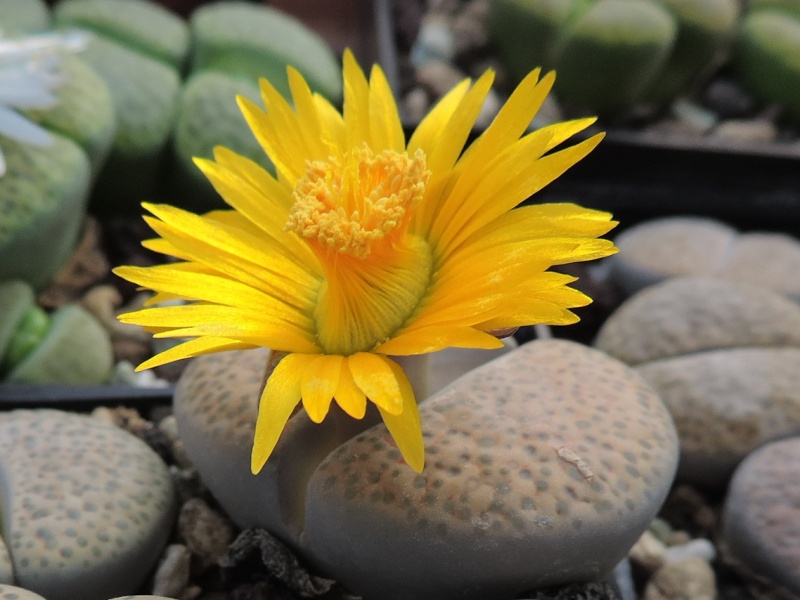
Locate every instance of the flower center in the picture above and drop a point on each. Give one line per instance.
(349, 206)
(354, 214)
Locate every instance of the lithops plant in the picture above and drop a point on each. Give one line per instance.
(767, 52)
(145, 94)
(655, 250)
(87, 507)
(545, 466)
(12, 592)
(216, 403)
(761, 518)
(69, 347)
(706, 32)
(142, 25)
(208, 116)
(19, 17)
(84, 111)
(725, 359)
(610, 54)
(43, 199)
(241, 38)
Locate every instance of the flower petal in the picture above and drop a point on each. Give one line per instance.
(192, 348)
(435, 338)
(374, 376)
(280, 397)
(405, 427)
(348, 395)
(319, 382)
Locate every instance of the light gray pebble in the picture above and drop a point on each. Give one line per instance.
(435, 41)
(697, 548)
(169, 426)
(206, 533)
(172, 574)
(746, 132)
(688, 579)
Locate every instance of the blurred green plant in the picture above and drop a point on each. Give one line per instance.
(610, 54)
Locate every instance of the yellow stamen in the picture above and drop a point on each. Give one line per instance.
(348, 206)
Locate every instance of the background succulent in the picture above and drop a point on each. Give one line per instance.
(612, 53)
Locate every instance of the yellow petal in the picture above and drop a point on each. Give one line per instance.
(320, 380)
(430, 128)
(348, 395)
(386, 130)
(405, 427)
(435, 338)
(279, 399)
(192, 348)
(356, 102)
(374, 376)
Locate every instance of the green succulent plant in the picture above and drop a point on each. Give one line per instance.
(767, 54)
(241, 38)
(68, 347)
(23, 16)
(141, 25)
(43, 199)
(610, 54)
(209, 116)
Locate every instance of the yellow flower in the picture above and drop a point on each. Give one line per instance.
(365, 246)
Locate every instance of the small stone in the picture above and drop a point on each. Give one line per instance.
(689, 579)
(761, 516)
(469, 27)
(169, 426)
(87, 506)
(696, 117)
(206, 533)
(172, 574)
(746, 132)
(416, 104)
(728, 99)
(544, 466)
(696, 548)
(648, 552)
(435, 41)
(439, 77)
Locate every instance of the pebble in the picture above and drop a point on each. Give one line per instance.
(88, 507)
(533, 478)
(728, 99)
(746, 131)
(761, 516)
(206, 533)
(688, 579)
(648, 552)
(172, 574)
(696, 548)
